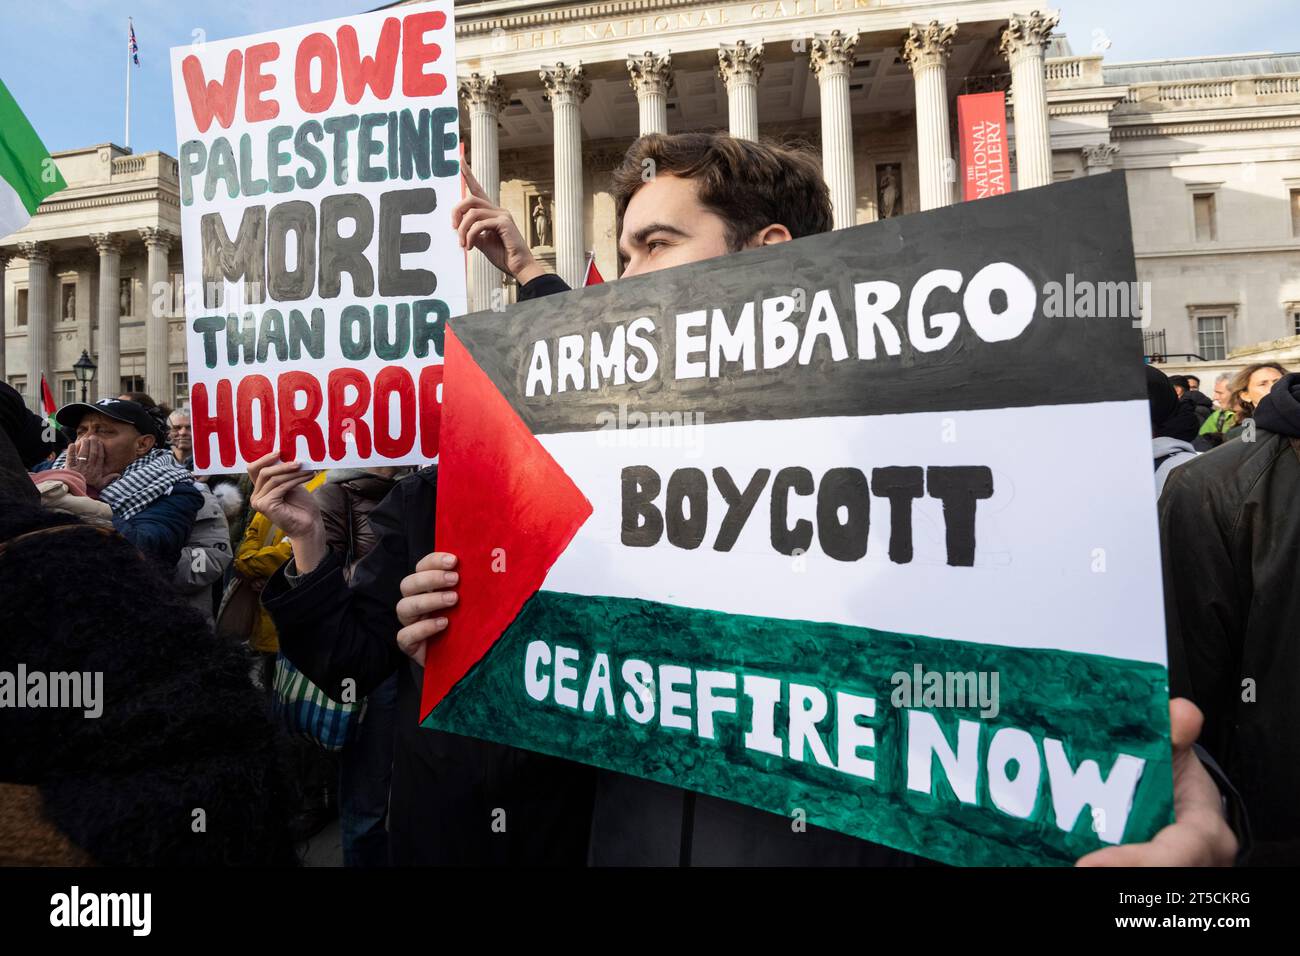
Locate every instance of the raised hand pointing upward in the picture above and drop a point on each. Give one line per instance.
(487, 227)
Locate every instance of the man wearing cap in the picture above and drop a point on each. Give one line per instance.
(121, 452)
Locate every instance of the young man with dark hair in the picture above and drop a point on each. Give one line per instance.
(679, 199)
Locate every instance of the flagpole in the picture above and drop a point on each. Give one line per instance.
(129, 26)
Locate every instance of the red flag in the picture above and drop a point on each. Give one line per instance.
(592, 276)
(47, 399)
(982, 120)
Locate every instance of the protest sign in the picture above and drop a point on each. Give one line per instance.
(982, 129)
(827, 528)
(318, 169)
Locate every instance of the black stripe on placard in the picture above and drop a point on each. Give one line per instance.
(1074, 234)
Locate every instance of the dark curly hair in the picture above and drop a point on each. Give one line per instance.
(751, 185)
(182, 729)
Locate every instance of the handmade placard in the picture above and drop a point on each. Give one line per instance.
(828, 528)
(318, 169)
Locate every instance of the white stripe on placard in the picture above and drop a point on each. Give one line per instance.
(1066, 550)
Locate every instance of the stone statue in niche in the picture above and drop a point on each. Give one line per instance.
(889, 190)
(124, 297)
(69, 301)
(541, 223)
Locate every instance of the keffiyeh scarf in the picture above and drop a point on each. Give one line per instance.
(144, 481)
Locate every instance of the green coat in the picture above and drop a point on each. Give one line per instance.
(1220, 420)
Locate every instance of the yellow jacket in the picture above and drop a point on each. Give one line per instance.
(260, 555)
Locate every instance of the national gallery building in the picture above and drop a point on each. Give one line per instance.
(553, 92)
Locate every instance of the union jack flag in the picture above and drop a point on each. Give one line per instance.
(132, 45)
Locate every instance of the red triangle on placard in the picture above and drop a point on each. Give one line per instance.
(506, 509)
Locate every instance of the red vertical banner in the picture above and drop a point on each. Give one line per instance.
(982, 119)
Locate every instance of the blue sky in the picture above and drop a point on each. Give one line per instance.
(65, 61)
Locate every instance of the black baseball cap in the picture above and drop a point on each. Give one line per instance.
(119, 409)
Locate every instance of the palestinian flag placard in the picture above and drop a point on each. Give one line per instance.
(858, 529)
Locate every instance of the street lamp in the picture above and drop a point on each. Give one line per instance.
(84, 369)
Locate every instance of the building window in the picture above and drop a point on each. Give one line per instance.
(132, 383)
(180, 389)
(67, 391)
(1295, 321)
(1203, 208)
(19, 383)
(20, 307)
(1295, 212)
(1212, 337)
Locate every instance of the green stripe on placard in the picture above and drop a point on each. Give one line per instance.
(1096, 707)
(24, 161)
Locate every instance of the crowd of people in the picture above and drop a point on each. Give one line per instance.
(226, 611)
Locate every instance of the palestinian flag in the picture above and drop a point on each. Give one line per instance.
(27, 173)
(828, 528)
(47, 402)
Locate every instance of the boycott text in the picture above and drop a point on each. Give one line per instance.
(843, 508)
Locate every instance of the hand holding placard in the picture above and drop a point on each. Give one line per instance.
(280, 493)
(426, 592)
(1200, 836)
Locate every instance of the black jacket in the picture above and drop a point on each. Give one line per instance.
(447, 791)
(1201, 403)
(1230, 538)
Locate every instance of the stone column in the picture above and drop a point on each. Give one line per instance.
(37, 255)
(4, 264)
(157, 355)
(486, 97)
(831, 59)
(1099, 158)
(651, 77)
(108, 379)
(740, 65)
(566, 88)
(85, 319)
(1023, 42)
(925, 50)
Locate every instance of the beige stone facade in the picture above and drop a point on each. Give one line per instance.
(553, 93)
(99, 269)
